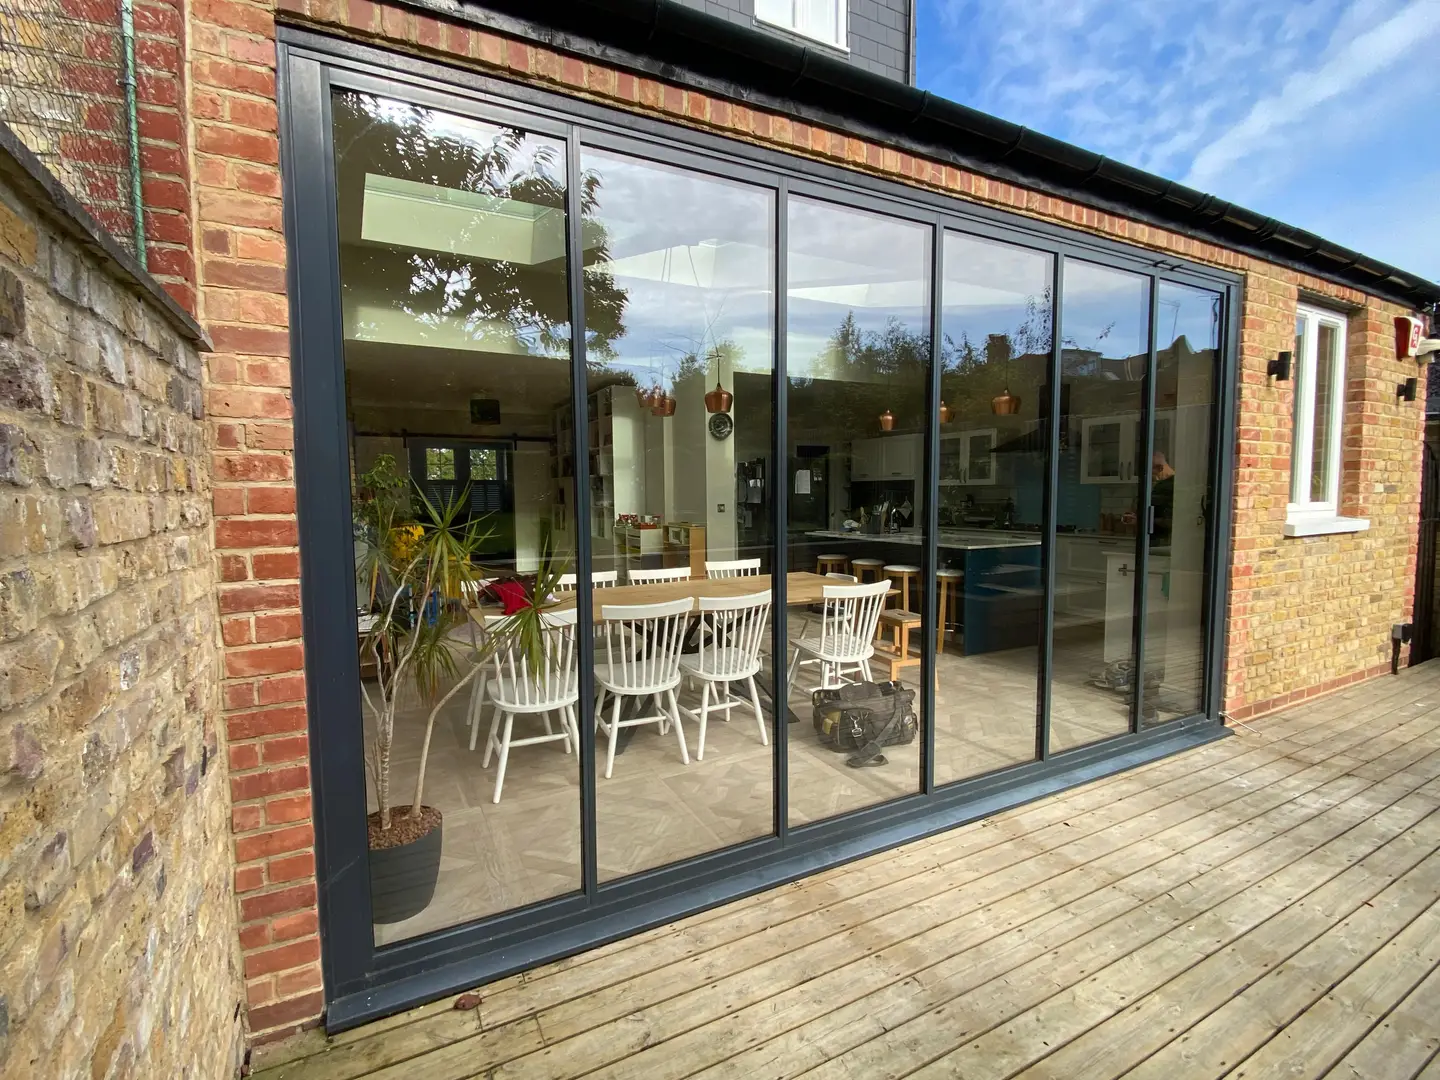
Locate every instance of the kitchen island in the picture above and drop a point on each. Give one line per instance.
(1001, 593)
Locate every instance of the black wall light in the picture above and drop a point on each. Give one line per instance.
(1405, 391)
(1279, 368)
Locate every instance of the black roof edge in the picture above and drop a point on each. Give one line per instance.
(668, 40)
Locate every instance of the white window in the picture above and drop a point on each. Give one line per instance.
(1316, 451)
(823, 20)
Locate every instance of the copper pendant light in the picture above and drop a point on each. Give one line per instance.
(887, 420)
(1005, 404)
(644, 397)
(719, 399)
(664, 406)
(945, 413)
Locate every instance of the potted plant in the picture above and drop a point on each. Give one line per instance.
(414, 578)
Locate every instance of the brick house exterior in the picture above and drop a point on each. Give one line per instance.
(1306, 615)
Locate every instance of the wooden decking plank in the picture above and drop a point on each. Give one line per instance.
(1050, 868)
(838, 986)
(1035, 939)
(825, 925)
(1321, 1035)
(1403, 1043)
(1277, 732)
(1153, 970)
(1146, 1025)
(909, 1030)
(1138, 779)
(1249, 1019)
(702, 940)
(877, 885)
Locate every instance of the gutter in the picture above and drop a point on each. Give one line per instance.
(667, 40)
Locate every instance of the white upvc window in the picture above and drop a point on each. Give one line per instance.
(1316, 457)
(823, 20)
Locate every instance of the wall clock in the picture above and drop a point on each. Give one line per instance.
(721, 425)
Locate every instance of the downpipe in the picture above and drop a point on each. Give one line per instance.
(132, 126)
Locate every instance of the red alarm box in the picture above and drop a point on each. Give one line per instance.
(1409, 332)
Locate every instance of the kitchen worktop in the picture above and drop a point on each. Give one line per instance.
(953, 539)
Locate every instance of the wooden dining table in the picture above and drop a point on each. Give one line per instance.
(802, 589)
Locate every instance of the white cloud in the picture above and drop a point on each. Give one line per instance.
(1318, 113)
(1346, 71)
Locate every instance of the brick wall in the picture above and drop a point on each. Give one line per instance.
(117, 924)
(242, 302)
(1306, 615)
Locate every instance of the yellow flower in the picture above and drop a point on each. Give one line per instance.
(405, 544)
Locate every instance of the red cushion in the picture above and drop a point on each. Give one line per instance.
(512, 595)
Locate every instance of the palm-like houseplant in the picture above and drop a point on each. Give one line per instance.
(415, 579)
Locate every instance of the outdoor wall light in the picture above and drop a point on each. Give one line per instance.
(1405, 391)
(1279, 368)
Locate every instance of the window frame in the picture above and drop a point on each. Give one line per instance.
(795, 25)
(1305, 516)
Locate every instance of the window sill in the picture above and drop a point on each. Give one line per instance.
(809, 39)
(1325, 526)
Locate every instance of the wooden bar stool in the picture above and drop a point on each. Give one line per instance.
(900, 574)
(867, 570)
(832, 564)
(896, 652)
(947, 584)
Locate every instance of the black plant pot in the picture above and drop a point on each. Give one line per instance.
(402, 878)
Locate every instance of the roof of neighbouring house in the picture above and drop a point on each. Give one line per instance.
(679, 43)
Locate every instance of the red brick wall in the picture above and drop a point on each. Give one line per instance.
(242, 302)
(163, 115)
(1305, 614)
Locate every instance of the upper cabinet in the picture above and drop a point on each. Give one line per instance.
(1109, 446)
(894, 458)
(968, 457)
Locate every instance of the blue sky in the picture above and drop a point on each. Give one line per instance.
(1322, 113)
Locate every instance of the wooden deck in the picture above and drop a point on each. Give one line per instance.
(1259, 907)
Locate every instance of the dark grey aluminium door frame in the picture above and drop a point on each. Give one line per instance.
(364, 981)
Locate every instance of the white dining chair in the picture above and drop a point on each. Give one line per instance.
(638, 655)
(727, 568)
(732, 629)
(845, 637)
(600, 579)
(649, 577)
(519, 688)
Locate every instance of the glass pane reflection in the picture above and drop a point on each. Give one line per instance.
(1104, 355)
(457, 373)
(1188, 339)
(858, 356)
(997, 323)
(680, 268)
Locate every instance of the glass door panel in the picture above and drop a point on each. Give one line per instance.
(858, 355)
(1182, 475)
(996, 320)
(456, 328)
(680, 310)
(1104, 357)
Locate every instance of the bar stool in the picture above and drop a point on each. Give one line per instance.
(901, 573)
(947, 584)
(867, 570)
(832, 564)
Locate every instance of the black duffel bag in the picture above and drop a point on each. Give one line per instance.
(860, 718)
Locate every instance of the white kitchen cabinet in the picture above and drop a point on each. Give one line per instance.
(1110, 447)
(893, 458)
(1080, 571)
(967, 458)
(900, 457)
(866, 459)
